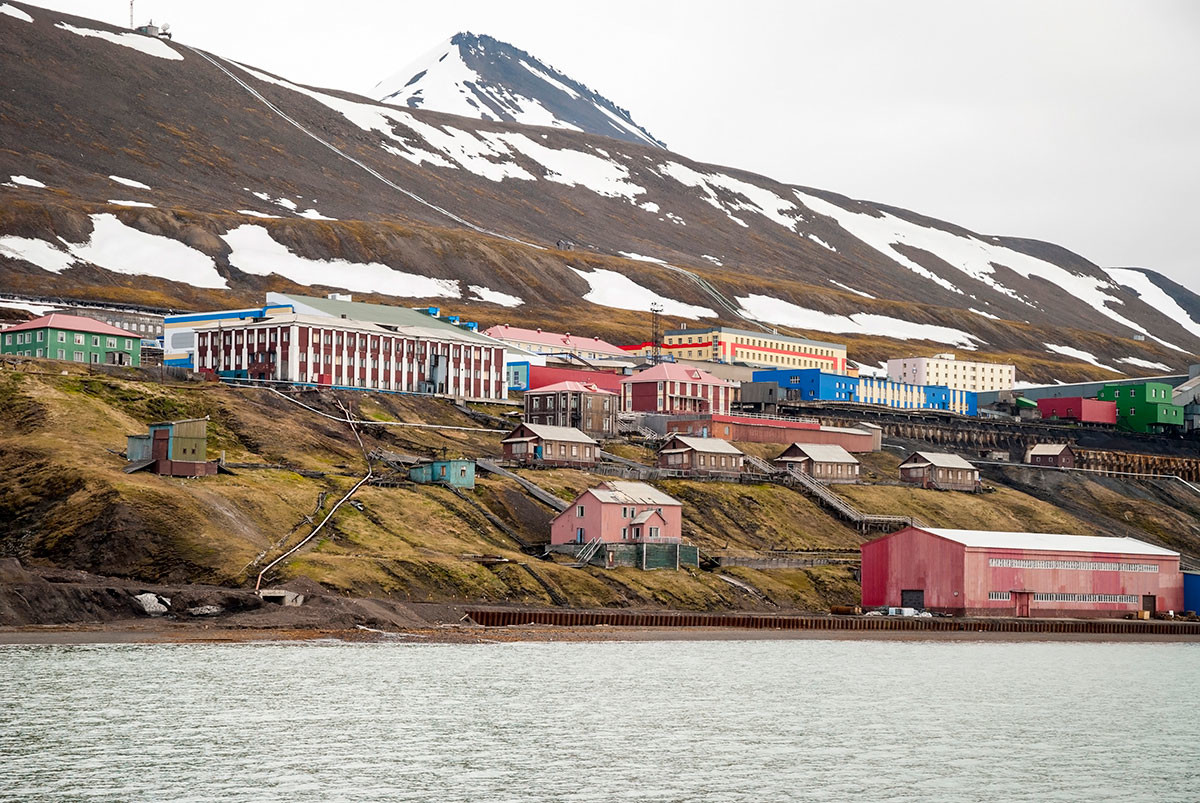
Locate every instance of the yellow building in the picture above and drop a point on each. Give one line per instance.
(944, 369)
(725, 345)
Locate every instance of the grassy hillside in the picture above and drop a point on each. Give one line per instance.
(66, 502)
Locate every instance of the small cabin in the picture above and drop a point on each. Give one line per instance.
(550, 445)
(941, 471)
(1056, 455)
(707, 455)
(827, 462)
(173, 448)
(456, 473)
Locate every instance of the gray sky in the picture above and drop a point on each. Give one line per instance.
(1076, 122)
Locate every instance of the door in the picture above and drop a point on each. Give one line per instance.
(1149, 603)
(1021, 603)
(912, 598)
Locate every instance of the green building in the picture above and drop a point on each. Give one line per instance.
(70, 337)
(1144, 408)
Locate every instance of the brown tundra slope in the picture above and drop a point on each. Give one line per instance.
(139, 171)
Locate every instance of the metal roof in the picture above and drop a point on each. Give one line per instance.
(552, 433)
(708, 445)
(632, 493)
(940, 459)
(1049, 542)
(760, 335)
(71, 323)
(554, 339)
(570, 386)
(384, 314)
(824, 452)
(673, 372)
(1046, 449)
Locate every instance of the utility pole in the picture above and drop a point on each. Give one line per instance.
(655, 337)
(131, 15)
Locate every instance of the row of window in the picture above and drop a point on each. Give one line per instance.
(61, 354)
(1005, 596)
(79, 338)
(1074, 565)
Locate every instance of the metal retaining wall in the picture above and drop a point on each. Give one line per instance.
(492, 617)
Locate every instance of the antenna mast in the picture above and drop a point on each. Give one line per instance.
(655, 338)
(131, 15)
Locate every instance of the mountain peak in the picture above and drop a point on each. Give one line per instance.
(475, 75)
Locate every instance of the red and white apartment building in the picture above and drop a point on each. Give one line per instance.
(289, 347)
(674, 388)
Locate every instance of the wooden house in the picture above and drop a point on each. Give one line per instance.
(710, 455)
(827, 462)
(940, 470)
(1058, 455)
(550, 445)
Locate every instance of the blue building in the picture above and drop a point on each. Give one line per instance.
(1191, 591)
(813, 384)
(459, 473)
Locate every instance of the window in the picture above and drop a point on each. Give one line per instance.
(579, 511)
(8, 340)
(654, 532)
(62, 355)
(79, 356)
(80, 339)
(112, 343)
(40, 335)
(62, 337)
(128, 343)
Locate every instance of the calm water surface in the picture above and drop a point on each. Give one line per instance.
(678, 721)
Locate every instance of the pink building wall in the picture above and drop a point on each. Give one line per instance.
(913, 559)
(604, 519)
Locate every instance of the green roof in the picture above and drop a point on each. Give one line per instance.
(371, 313)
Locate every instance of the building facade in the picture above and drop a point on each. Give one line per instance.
(549, 445)
(172, 448)
(456, 473)
(303, 349)
(765, 429)
(813, 385)
(940, 471)
(1147, 407)
(981, 573)
(671, 388)
(619, 512)
(705, 455)
(726, 345)
(74, 338)
(1078, 408)
(944, 369)
(825, 462)
(574, 404)
(1057, 455)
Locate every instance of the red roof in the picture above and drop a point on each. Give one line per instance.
(571, 387)
(554, 339)
(674, 372)
(72, 323)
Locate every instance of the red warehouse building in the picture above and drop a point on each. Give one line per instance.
(1077, 408)
(674, 388)
(983, 573)
(289, 347)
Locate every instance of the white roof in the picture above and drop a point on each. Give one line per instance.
(1049, 542)
(824, 452)
(632, 493)
(552, 433)
(941, 460)
(708, 444)
(1047, 449)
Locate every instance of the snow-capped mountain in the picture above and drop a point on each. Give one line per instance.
(226, 182)
(481, 77)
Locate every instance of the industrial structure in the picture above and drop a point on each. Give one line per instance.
(71, 337)
(982, 573)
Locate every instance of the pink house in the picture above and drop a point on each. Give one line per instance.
(620, 512)
(673, 388)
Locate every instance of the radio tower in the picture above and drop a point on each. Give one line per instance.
(655, 338)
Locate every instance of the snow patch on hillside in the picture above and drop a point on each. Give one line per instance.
(150, 45)
(821, 242)
(851, 289)
(773, 310)
(128, 182)
(1080, 354)
(36, 252)
(1145, 288)
(482, 293)
(124, 249)
(253, 213)
(256, 253)
(131, 203)
(26, 181)
(757, 199)
(1140, 363)
(612, 289)
(13, 11)
(25, 306)
(984, 314)
(640, 258)
(575, 168)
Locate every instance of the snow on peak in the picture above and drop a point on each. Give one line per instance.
(481, 77)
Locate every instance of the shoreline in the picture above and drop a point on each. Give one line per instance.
(140, 631)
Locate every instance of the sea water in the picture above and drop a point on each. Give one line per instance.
(615, 721)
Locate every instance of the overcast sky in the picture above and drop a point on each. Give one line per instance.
(1074, 122)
